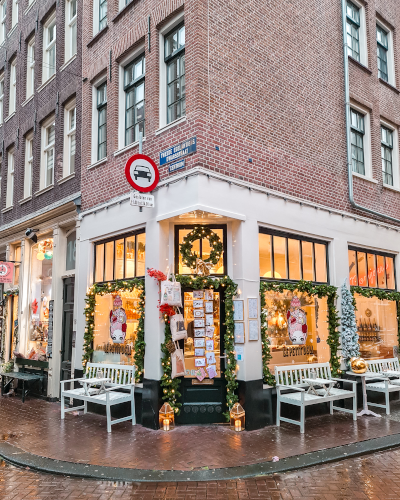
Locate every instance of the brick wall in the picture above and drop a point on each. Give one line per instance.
(264, 80)
(66, 84)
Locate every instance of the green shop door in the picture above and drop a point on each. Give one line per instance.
(203, 401)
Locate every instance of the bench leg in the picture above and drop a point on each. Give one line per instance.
(85, 407)
(133, 409)
(23, 391)
(108, 410)
(278, 412)
(355, 407)
(387, 403)
(302, 418)
(62, 407)
(331, 407)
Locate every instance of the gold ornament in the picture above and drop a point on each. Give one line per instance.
(203, 268)
(312, 359)
(358, 365)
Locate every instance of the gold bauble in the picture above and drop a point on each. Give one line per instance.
(358, 365)
(312, 359)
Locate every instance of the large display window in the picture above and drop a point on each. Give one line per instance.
(371, 269)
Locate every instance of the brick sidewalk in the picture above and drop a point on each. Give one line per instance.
(36, 427)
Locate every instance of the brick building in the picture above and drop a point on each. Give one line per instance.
(40, 138)
(287, 131)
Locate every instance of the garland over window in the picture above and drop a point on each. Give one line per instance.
(170, 386)
(198, 233)
(319, 291)
(105, 289)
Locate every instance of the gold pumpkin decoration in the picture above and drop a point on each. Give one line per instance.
(358, 365)
(312, 359)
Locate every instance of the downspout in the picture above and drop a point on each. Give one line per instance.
(348, 140)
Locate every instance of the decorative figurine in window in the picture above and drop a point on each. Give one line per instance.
(118, 321)
(297, 321)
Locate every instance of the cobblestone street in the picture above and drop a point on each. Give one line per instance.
(374, 477)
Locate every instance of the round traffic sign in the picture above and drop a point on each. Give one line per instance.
(142, 173)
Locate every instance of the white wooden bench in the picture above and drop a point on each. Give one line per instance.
(292, 378)
(122, 377)
(383, 369)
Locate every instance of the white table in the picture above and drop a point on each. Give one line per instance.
(364, 376)
(326, 384)
(87, 382)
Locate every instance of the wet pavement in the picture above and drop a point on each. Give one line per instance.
(374, 477)
(36, 427)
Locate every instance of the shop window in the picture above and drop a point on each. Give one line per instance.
(41, 295)
(71, 252)
(297, 328)
(17, 264)
(201, 248)
(120, 258)
(289, 257)
(371, 269)
(377, 327)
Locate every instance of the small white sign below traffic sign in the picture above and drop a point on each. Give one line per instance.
(142, 200)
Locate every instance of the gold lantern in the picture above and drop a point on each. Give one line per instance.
(166, 417)
(237, 415)
(358, 365)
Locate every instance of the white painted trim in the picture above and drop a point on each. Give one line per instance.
(9, 117)
(100, 162)
(391, 188)
(395, 153)
(71, 60)
(369, 179)
(28, 100)
(202, 208)
(29, 8)
(25, 200)
(44, 84)
(127, 148)
(44, 190)
(170, 125)
(366, 141)
(390, 62)
(7, 209)
(363, 34)
(67, 178)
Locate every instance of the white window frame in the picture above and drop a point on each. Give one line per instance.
(48, 70)
(395, 154)
(14, 13)
(121, 94)
(10, 178)
(390, 53)
(30, 70)
(163, 69)
(70, 22)
(28, 166)
(366, 142)
(12, 104)
(3, 21)
(45, 148)
(362, 34)
(123, 3)
(69, 137)
(95, 120)
(96, 16)
(2, 99)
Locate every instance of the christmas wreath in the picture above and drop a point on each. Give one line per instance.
(216, 247)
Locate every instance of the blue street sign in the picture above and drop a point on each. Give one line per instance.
(178, 165)
(179, 151)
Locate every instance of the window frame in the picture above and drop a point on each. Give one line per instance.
(389, 53)
(28, 165)
(69, 133)
(45, 148)
(3, 21)
(168, 60)
(103, 19)
(385, 51)
(70, 22)
(100, 108)
(114, 239)
(362, 32)
(395, 154)
(211, 226)
(293, 236)
(30, 73)
(366, 139)
(14, 13)
(12, 101)
(47, 46)
(2, 99)
(10, 178)
(376, 253)
(132, 86)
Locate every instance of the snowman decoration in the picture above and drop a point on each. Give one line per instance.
(118, 322)
(297, 322)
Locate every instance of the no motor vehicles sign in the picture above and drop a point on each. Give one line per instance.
(142, 173)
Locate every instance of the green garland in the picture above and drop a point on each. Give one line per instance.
(200, 232)
(170, 386)
(105, 289)
(320, 291)
(381, 295)
(11, 292)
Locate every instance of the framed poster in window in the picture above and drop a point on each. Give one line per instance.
(238, 310)
(239, 332)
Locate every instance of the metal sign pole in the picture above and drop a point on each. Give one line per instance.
(140, 152)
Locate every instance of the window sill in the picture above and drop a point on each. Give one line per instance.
(389, 85)
(70, 60)
(67, 178)
(170, 125)
(122, 11)
(98, 163)
(354, 61)
(25, 200)
(12, 30)
(97, 36)
(365, 178)
(44, 190)
(391, 188)
(9, 117)
(7, 209)
(28, 100)
(29, 8)
(46, 83)
(127, 148)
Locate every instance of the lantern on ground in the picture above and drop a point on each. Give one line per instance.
(166, 417)
(237, 415)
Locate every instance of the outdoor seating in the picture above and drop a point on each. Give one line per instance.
(36, 375)
(383, 370)
(117, 386)
(294, 378)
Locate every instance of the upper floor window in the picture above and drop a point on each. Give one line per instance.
(121, 257)
(49, 49)
(3, 20)
(48, 154)
(174, 58)
(10, 179)
(13, 87)
(71, 19)
(383, 46)
(30, 71)
(102, 14)
(387, 155)
(353, 30)
(70, 139)
(17, 264)
(291, 257)
(371, 269)
(102, 121)
(1, 99)
(14, 13)
(357, 141)
(28, 166)
(134, 75)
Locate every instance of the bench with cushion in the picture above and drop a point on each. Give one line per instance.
(387, 371)
(291, 388)
(119, 390)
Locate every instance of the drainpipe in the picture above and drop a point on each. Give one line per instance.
(348, 141)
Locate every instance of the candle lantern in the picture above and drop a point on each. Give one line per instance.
(237, 415)
(166, 417)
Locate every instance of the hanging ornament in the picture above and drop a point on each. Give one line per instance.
(203, 268)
